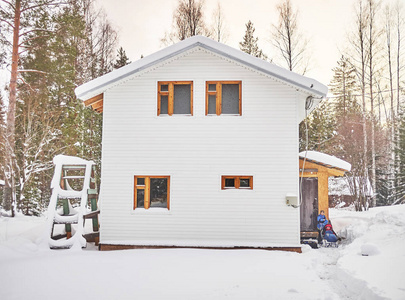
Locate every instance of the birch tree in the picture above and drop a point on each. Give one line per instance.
(290, 43)
(358, 52)
(188, 21)
(219, 30)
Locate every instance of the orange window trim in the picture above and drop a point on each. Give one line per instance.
(237, 182)
(146, 187)
(170, 94)
(218, 94)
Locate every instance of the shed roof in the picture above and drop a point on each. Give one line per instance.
(326, 160)
(99, 85)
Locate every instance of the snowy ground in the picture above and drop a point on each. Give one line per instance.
(28, 271)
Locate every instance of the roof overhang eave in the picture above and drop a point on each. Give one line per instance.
(88, 90)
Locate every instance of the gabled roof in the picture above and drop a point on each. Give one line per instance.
(99, 85)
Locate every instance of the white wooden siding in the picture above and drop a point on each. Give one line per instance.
(195, 151)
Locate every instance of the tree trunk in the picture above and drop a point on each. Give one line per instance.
(371, 42)
(10, 189)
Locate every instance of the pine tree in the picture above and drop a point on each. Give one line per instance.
(249, 43)
(321, 129)
(122, 59)
(342, 86)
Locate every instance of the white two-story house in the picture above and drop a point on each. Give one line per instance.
(200, 149)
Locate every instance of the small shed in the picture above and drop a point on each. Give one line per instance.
(315, 169)
(342, 190)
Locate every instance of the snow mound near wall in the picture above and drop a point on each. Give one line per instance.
(374, 249)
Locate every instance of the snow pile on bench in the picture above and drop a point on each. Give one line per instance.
(77, 240)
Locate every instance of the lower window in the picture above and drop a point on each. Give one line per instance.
(151, 191)
(237, 182)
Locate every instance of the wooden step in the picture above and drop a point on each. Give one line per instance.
(92, 214)
(64, 222)
(59, 236)
(91, 237)
(64, 219)
(60, 247)
(73, 167)
(91, 192)
(73, 177)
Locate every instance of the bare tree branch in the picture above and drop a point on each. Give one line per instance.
(9, 3)
(48, 3)
(7, 22)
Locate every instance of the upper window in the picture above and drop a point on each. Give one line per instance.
(237, 182)
(175, 97)
(152, 191)
(223, 97)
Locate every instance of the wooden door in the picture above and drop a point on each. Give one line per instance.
(309, 205)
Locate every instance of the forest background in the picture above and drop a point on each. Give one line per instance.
(50, 47)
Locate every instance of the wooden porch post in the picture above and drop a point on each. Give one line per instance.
(323, 200)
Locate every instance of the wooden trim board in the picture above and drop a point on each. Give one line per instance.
(110, 247)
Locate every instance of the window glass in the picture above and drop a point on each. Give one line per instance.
(140, 181)
(212, 87)
(140, 198)
(164, 105)
(164, 88)
(212, 104)
(229, 182)
(230, 99)
(158, 192)
(244, 182)
(181, 101)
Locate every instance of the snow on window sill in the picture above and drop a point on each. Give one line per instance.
(151, 211)
(174, 115)
(222, 115)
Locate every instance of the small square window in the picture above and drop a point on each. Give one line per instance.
(244, 183)
(164, 88)
(151, 192)
(229, 182)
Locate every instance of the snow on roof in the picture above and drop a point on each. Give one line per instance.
(326, 159)
(340, 186)
(100, 84)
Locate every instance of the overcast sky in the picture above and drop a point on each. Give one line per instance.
(325, 23)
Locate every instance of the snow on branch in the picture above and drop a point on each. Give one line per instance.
(9, 3)
(7, 22)
(34, 71)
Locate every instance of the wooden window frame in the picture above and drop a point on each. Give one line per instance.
(218, 95)
(170, 95)
(237, 182)
(146, 188)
